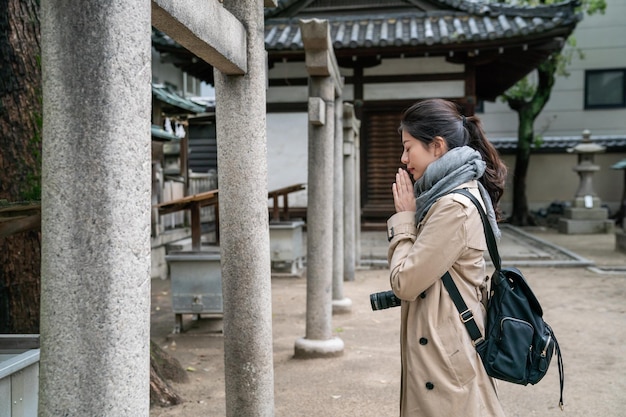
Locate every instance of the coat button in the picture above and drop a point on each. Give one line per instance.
(423, 295)
(423, 340)
(430, 385)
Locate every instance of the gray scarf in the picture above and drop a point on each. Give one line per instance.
(455, 167)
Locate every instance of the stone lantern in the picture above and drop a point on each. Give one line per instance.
(586, 215)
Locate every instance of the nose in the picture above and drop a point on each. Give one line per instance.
(404, 158)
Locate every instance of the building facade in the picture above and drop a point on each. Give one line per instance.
(402, 51)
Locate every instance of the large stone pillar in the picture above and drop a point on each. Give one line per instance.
(341, 304)
(323, 85)
(244, 225)
(357, 186)
(350, 124)
(95, 266)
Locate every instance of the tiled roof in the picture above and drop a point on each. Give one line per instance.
(472, 23)
(161, 135)
(495, 8)
(502, 42)
(162, 93)
(562, 143)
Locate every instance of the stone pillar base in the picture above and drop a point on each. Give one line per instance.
(309, 348)
(572, 227)
(342, 306)
(577, 213)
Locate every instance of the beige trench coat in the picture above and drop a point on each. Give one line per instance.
(442, 374)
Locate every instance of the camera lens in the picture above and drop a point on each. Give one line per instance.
(374, 301)
(384, 300)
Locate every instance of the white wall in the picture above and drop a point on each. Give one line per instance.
(287, 148)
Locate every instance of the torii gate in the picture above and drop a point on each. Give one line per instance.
(95, 276)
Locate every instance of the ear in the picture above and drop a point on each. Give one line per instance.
(439, 146)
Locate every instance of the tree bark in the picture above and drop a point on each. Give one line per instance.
(164, 367)
(521, 215)
(20, 160)
(527, 111)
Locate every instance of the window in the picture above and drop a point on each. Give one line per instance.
(605, 89)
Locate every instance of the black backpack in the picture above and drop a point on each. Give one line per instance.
(518, 344)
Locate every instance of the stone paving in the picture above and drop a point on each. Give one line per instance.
(516, 247)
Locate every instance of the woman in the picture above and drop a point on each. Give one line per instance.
(432, 232)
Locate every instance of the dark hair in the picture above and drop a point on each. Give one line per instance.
(429, 118)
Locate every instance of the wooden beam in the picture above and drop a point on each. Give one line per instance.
(220, 43)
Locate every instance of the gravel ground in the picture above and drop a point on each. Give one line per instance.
(584, 305)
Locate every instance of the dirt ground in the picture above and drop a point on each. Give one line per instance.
(585, 307)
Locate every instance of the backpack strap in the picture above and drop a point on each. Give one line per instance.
(489, 235)
(466, 315)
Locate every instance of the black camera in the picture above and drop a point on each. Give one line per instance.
(383, 300)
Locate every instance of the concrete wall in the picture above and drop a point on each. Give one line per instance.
(551, 178)
(602, 38)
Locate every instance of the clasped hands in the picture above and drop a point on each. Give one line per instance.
(403, 197)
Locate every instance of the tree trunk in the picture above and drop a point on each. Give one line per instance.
(521, 215)
(527, 112)
(20, 160)
(164, 367)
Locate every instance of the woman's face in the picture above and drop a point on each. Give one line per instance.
(417, 155)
